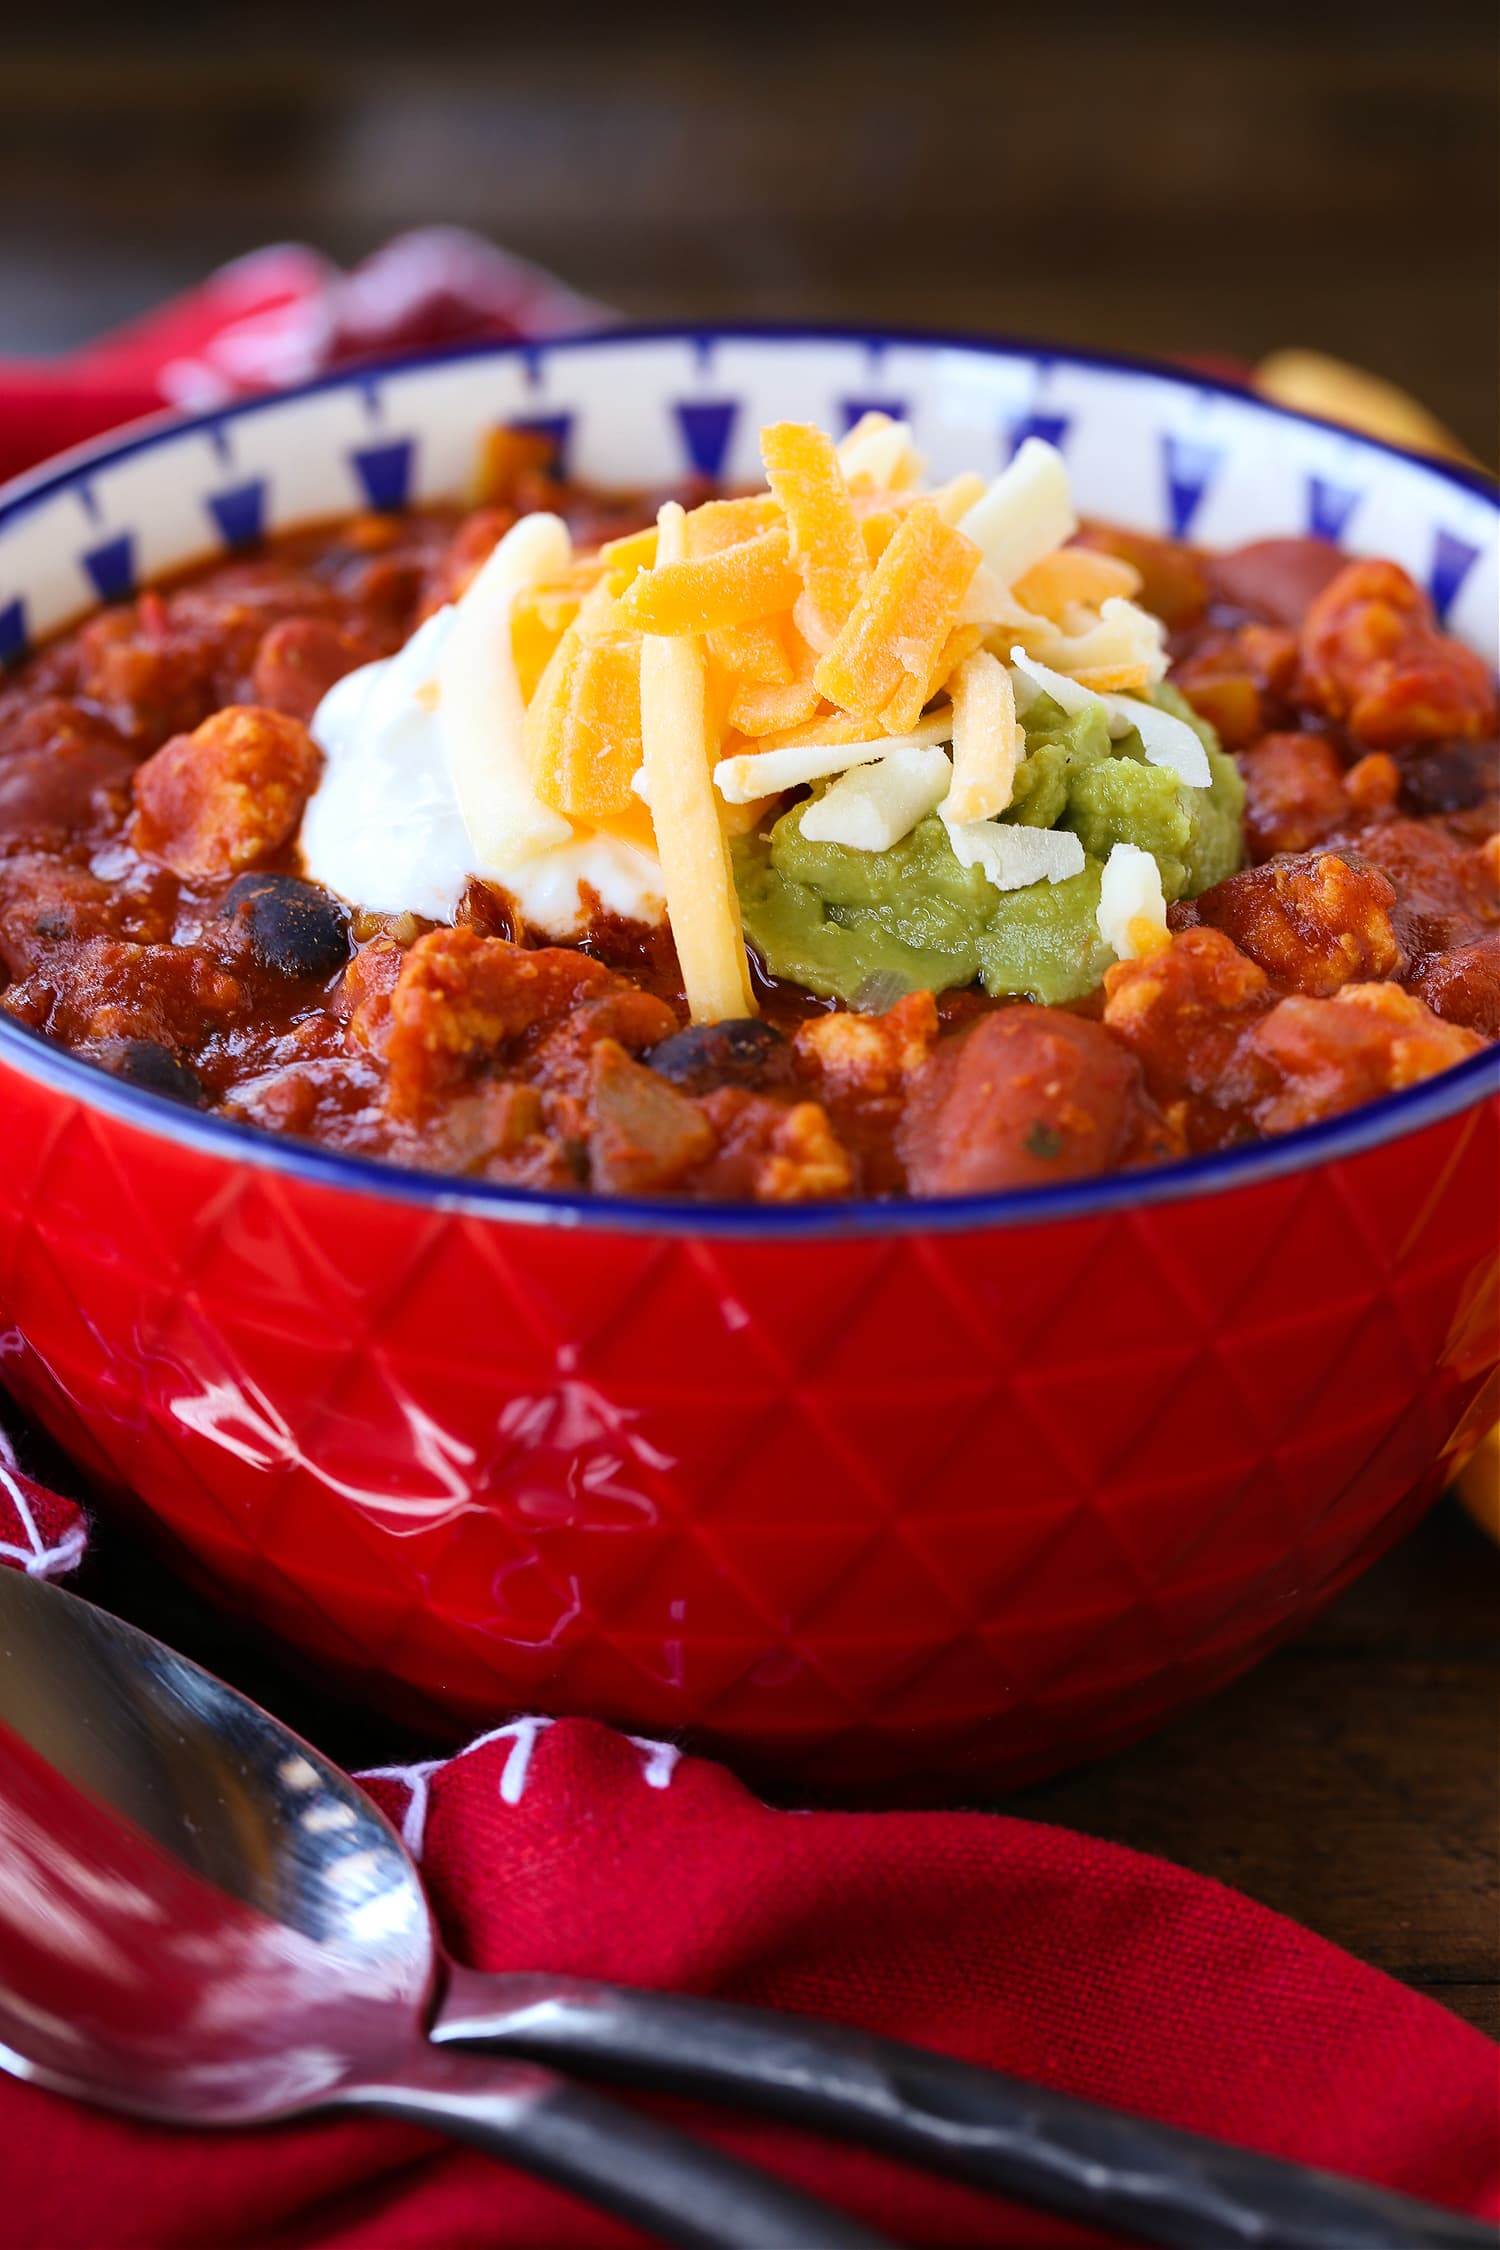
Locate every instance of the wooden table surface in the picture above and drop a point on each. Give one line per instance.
(1155, 177)
(1149, 178)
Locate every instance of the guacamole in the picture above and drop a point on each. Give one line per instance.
(857, 924)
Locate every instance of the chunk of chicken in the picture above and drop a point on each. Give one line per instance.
(1313, 923)
(461, 1001)
(1322, 1057)
(227, 796)
(1374, 658)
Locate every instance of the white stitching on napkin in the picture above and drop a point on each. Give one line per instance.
(36, 1558)
(415, 1780)
(659, 1762)
(523, 1733)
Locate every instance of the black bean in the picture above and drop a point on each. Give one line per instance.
(742, 1052)
(295, 928)
(1448, 777)
(141, 1062)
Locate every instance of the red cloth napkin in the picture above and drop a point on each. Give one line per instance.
(280, 316)
(567, 1847)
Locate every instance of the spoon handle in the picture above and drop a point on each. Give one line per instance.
(674, 2187)
(1152, 2181)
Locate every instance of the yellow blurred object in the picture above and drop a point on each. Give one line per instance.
(1478, 1484)
(1312, 383)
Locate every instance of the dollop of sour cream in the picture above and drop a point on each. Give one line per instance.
(384, 828)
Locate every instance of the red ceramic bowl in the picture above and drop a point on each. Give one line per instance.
(909, 1497)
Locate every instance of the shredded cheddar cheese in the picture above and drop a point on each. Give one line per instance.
(1118, 647)
(717, 524)
(839, 628)
(697, 877)
(883, 663)
(773, 709)
(1075, 574)
(586, 740)
(988, 743)
(733, 585)
(755, 654)
(803, 471)
(838, 727)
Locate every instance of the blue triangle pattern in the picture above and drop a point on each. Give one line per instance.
(1052, 429)
(111, 567)
(384, 473)
(1329, 507)
(853, 408)
(707, 426)
(240, 513)
(557, 429)
(1191, 466)
(14, 639)
(1452, 560)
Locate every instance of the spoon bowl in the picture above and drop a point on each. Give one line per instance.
(204, 1923)
(200, 1917)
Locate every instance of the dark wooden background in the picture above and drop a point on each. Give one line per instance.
(1170, 178)
(1196, 180)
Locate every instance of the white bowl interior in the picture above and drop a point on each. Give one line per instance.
(1155, 450)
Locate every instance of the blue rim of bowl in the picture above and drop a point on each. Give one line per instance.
(1354, 1133)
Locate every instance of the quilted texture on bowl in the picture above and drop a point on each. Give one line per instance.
(860, 1510)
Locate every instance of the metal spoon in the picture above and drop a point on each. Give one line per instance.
(204, 1923)
(120, 1737)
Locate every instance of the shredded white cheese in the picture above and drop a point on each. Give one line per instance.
(1043, 680)
(994, 606)
(1120, 636)
(877, 453)
(480, 698)
(1167, 741)
(873, 807)
(1132, 907)
(1025, 513)
(765, 773)
(1013, 856)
